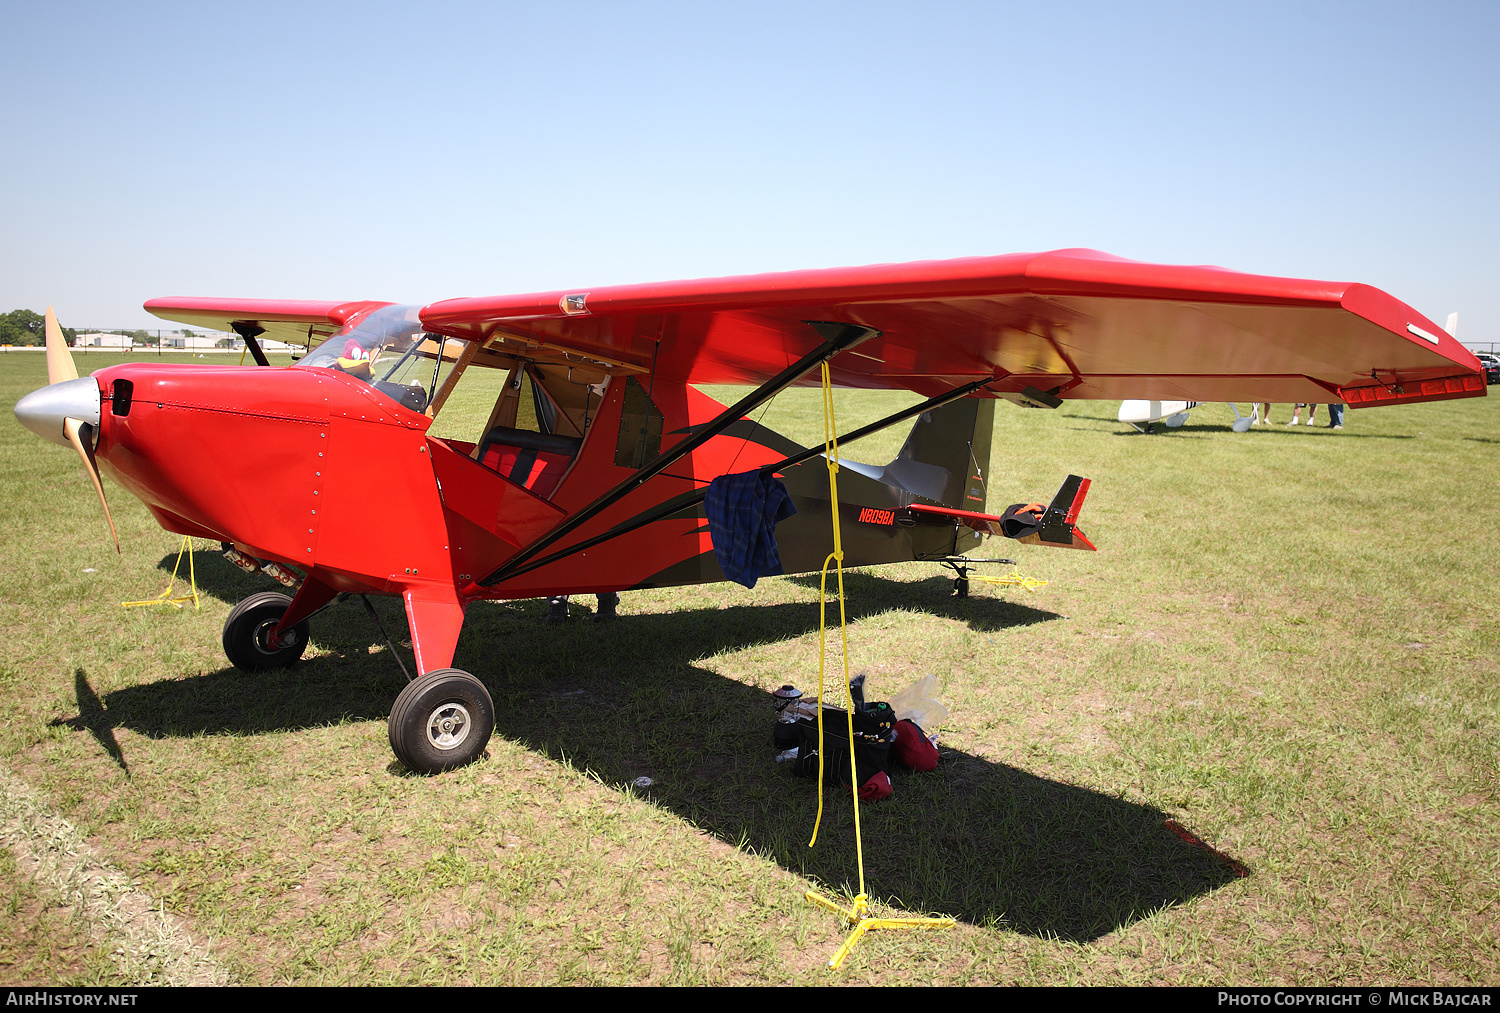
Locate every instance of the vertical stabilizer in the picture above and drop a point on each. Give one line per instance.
(946, 457)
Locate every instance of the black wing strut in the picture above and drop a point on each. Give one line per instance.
(839, 337)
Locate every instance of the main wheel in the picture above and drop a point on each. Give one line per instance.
(441, 721)
(247, 634)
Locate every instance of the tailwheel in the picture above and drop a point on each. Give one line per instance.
(441, 721)
(247, 634)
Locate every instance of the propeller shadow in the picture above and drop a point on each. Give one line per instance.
(94, 718)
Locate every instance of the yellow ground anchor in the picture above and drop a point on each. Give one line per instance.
(859, 917)
(1017, 579)
(167, 597)
(858, 914)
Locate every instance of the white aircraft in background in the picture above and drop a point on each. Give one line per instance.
(1145, 414)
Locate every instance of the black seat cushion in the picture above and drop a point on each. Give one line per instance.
(527, 440)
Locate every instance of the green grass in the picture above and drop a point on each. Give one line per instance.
(1287, 642)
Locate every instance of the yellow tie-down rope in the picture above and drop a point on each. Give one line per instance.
(167, 597)
(858, 914)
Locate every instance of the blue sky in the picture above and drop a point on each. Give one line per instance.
(419, 152)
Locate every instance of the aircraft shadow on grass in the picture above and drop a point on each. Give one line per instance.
(1209, 427)
(1219, 427)
(985, 842)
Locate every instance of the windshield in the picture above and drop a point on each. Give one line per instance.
(389, 350)
(390, 330)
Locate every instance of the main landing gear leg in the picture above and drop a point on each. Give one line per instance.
(444, 717)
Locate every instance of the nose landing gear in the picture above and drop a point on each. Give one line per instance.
(247, 634)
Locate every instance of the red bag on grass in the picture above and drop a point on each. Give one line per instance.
(912, 748)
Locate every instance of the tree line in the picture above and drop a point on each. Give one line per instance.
(25, 327)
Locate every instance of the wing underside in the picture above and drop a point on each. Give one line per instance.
(294, 321)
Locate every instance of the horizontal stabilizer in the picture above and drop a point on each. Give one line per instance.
(1028, 522)
(985, 524)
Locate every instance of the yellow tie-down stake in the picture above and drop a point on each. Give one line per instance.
(167, 597)
(1017, 579)
(858, 916)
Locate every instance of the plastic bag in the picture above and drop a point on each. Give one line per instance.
(919, 704)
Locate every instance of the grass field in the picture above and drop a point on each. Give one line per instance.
(1287, 643)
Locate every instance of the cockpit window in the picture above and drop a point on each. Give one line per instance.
(389, 350)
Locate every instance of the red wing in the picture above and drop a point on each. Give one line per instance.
(289, 320)
(1094, 325)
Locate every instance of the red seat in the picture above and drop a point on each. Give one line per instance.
(536, 461)
(537, 470)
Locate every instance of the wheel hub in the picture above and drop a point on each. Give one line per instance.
(448, 726)
(268, 644)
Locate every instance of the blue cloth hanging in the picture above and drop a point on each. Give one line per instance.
(743, 511)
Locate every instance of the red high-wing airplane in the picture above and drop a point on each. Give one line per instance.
(605, 488)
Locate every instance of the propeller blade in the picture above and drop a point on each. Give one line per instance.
(60, 364)
(74, 429)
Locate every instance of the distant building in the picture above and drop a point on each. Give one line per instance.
(99, 339)
(185, 341)
(268, 345)
(195, 341)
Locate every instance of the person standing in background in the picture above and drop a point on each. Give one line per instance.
(1335, 417)
(1312, 411)
(557, 607)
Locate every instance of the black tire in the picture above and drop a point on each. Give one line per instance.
(441, 721)
(248, 628)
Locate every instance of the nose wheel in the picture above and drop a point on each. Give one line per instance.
(248, 642)
(441, 721)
